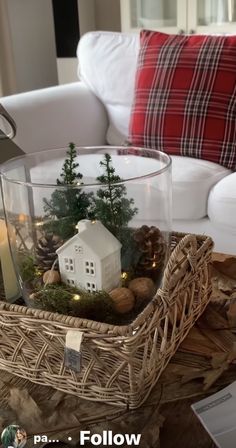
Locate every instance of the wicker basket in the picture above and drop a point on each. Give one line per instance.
(120, 364)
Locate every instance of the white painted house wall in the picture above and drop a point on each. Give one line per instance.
(111, 270)
(78, 275)
(94, 254)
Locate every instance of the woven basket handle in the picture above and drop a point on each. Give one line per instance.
(188, 245)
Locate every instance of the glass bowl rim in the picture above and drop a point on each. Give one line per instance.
(140, 149)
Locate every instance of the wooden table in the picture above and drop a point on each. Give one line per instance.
(42, 410)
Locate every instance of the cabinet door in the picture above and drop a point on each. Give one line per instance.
(168, 16)
(211, 16)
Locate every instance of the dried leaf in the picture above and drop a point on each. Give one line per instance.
(151, 431)
(226, 267)
(62, 418)
(27, 411)
(212, 319)
(232, 353)
(2, 423)
(224, 276)
(198, 343)
(223, 339)
(193, 375)
(212, 376)
(231, 314)
(220, 363)
(218, 359)
(217, 294)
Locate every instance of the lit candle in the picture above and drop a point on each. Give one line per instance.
(8, 273)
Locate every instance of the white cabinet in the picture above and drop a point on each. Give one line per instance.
(170, 16)
(212, 16)
(179, 16)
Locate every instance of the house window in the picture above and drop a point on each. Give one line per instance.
(91, 287)
(69, 264)
(70, 282)
(78, 249)
(89, 268)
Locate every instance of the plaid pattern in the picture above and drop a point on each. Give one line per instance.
(185, 96)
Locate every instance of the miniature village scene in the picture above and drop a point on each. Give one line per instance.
(88, 261)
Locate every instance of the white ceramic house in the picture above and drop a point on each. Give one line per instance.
(91, 258)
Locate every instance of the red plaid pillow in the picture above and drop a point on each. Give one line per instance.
(185, 96)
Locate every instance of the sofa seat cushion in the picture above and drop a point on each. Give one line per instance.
(192, 181)
(222, 203)
(107, 65)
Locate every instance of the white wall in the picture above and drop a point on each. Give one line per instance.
(87, 20)
(93, 15)
(32, 41)
(107, 15)
(99, 15)
(27, 41)
(7, 68)
(67, 70)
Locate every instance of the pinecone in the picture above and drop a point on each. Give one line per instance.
(46, 251)
(153, 247)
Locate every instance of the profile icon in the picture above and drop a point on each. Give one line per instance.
(13, 436)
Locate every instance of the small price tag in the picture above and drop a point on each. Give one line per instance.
(73, 357)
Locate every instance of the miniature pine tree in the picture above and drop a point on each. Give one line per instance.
(69, 176)
(67, 205)
(112, 208)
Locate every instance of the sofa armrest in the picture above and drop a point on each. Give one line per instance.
(53, 117)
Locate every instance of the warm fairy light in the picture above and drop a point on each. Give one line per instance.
(77, 227)
(39, 223)
(22, 217)
(76, 297)
(154, 264)
(124, 275)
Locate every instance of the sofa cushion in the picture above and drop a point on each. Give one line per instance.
(192, 181)
(222, 203)
(185, 96)
(107, 64)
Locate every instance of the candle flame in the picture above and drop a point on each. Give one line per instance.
(22, 217)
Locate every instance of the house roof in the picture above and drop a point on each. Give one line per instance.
(96, 236)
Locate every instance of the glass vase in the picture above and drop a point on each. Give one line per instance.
(89, 222)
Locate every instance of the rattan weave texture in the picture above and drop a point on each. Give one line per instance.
(120, 364)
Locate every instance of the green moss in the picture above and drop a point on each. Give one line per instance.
(27, 267)
(74, 302)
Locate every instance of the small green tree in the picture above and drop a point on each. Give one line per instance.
(67, 205)
(112, 208)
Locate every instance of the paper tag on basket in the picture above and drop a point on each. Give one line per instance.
(73, 356)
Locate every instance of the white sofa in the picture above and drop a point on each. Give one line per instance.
(96, 110)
